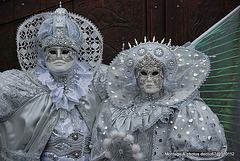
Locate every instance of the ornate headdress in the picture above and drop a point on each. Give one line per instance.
(56, 31)
(184, 71)
(149, 60)
(59, 28)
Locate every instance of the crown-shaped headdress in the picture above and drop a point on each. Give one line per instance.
(59, 36)
(149, 61)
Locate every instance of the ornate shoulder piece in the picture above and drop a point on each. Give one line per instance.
(16, 89)
(28, 45)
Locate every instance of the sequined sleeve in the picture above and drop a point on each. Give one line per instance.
(197, 134)
(15, 89)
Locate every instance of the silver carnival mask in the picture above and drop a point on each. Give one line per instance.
(59, 59)
(149, 74)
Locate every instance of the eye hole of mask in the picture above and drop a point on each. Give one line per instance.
(52, 52)
(155, 73)
(65, 51)
(143, 73)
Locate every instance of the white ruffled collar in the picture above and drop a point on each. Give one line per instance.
(65, 93)
(140, 116)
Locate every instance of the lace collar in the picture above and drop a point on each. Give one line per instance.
(68, 87)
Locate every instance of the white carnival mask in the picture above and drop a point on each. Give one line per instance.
(59, 59)
(149, 74)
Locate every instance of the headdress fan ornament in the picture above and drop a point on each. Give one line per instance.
(184, 71)
(28, 44)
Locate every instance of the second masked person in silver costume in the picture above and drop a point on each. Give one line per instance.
(154, 110)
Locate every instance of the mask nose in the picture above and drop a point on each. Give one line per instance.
(149, 78)
(59, 53)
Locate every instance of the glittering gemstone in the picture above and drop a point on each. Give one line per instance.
(105, 127)
(209, 137)
(201, 119)
(130, 62)
(141, 51)
(74, 136)
(171, 122)
(175, 127)
(113, 68)
(187, 132)
(219, 131)
(120, 151)
(203, 128)
(110, 83)
(159, 52)
(203, 107)
(183, 120)
(76, 154)
(179, 115)
(195, 74)
(191, 120)
(195, 55)
(115, 96)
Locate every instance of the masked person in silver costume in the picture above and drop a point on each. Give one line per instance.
(154, 110)
(47, 110)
